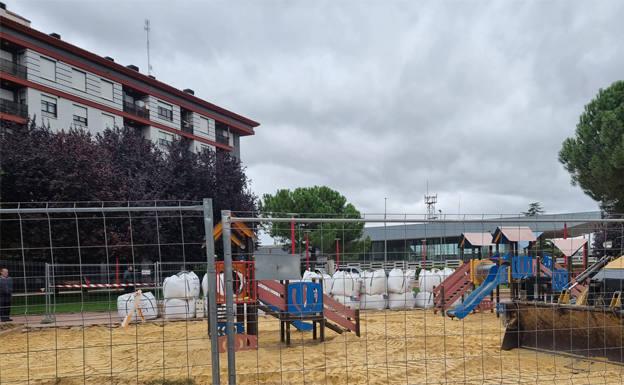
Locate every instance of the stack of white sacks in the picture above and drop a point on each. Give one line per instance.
(147, 305)
(346, 288)
(373, 290)
(400, 289)
(427, 281)
(181, 292)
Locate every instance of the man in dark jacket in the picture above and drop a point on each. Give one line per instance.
(6, 291)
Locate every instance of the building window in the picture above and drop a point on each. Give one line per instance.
(79, 80)
(48, 68)
(80, 116)
(165, 111)
(48, 106)
(206, 126)
(165, 139)
(108, 121)
(106, 89)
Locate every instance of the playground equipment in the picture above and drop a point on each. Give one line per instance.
(528, 276)
(592, 327)
(302, 304)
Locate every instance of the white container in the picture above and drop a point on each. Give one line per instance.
(147, 304)
(427, 280)
(328, 283)
(175, 308)
(348, 301)
(182, 285)
(400, 281)
(398, 301)
(445, 273)
(424, 300)
(309, 276)
(345, 284)
(373, 302)
(374, 282)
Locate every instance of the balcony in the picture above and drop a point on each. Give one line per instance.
(186, 127)
(133, 109)
(223, 139)
(13, 68)
(12, 108)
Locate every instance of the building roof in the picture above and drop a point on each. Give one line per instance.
(440, 230)
(504, 234)
(569, 246)
(476, 239)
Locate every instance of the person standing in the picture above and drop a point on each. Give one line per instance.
(6, 291)
(128, 279)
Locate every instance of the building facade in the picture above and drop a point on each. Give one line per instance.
(439, 241)
(58, 84)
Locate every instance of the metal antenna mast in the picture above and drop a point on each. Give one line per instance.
(147, 32)
(430, 202)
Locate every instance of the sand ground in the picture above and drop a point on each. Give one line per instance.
(396, 347)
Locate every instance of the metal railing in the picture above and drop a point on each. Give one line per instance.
(136, 110)
(13, 68)
(13, 108)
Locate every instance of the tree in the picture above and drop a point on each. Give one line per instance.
(594, 157)
(118, 165)
(535, 209)
(317, 201)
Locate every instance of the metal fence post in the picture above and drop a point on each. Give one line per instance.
(229, 294)
(48, 317)
(211, 273)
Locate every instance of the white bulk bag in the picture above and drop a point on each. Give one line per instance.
(238, 285)
(424, 300)
(428, 280)
(400, 281)
(328, 283)
(308, 276)
(401, 300)
(147, 304)
(182, 285)
(345, 284)
(373, 302)
(175, 308)
(445, 273)
(374, 282)
(350, 302)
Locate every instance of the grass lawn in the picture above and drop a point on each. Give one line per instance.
(65, 303)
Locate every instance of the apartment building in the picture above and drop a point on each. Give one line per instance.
(61, 85)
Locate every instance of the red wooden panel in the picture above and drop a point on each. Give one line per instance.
(274, 285)
(271, 299)
(345, 323)
(337, 307)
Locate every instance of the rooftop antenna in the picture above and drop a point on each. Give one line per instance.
(430, 202)
(147, 29)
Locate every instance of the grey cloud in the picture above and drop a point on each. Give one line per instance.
(376, 98)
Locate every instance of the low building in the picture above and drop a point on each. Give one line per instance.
(441, 240)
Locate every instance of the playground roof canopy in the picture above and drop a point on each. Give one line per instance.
(475, 239)
(569, 246)
(514, 234)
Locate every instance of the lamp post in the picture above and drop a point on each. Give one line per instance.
(385, 233)
(307, 248)
(337, 253)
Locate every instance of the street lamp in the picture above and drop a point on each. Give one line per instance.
(385, 233)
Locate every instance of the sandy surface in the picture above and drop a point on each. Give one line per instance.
(396, 347)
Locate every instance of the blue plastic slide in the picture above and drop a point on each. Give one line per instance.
(495, 277)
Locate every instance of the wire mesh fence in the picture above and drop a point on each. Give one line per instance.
(134, 293)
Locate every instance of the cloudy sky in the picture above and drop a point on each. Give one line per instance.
(375, 98)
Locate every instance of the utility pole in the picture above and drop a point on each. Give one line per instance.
(147, 29)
